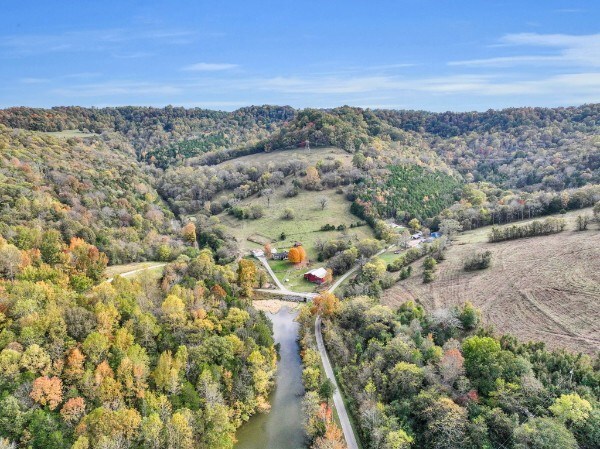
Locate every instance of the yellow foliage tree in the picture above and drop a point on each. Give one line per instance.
(326, 304)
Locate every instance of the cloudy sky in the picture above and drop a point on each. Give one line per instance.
(420, 54)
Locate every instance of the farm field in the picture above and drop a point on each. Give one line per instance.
(539, 289)
(305, 227)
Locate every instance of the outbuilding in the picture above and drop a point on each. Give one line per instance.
(279, 255)
(318, 275)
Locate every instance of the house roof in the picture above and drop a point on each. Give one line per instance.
(318, 272)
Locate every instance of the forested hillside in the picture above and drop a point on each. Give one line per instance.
(91, 188)
(152, 130)
(481, 168)
(439, 380)
(92, 365)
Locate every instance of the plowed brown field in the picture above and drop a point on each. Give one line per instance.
(541, 289)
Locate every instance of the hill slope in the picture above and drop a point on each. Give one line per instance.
(542, 288)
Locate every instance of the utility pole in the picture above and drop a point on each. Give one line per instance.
(307, 145)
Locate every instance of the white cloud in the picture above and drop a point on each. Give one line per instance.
(111, 88)
(566, 50)
(209, 67)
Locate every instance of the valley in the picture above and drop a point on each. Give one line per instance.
(135, 228)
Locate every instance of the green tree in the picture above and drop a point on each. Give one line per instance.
(544, 433)
(571, 409)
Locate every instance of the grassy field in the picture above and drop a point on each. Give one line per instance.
(115, 270)
(309, 157)
(293, 277)
(309, 217)
(68, 133)
(539, 289)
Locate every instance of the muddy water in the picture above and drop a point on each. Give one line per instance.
(281, 428)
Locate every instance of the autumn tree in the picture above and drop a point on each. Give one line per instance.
(151, 430)
(188, 232)
(87, 259)
(446, 424)
(47, 391)
(180, 432)
(36, 360)
(451, 365)
(326, 304)
(74, 364)
(312, 180)
(297, 254)
(10, 261)
(173, 309)
(166, 374)
(246, 276)
(268, 250)
(414, 225)
(73, 410)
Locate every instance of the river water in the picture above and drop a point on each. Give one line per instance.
(281, 428)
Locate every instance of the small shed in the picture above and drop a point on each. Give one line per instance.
(258, 253)
(318, 275)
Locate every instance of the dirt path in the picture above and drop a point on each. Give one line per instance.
(132, 272)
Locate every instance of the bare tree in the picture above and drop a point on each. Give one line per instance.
(323, 201)
(267, 193)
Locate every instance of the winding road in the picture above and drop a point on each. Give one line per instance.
(338, 401)
(337, 396)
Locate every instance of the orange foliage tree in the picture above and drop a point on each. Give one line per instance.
(47, 391)
(73, 410)
(87, 259)
(333, 437)
(297, 254)
(268, 251)
(188, 232)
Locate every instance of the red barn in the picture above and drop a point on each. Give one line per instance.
(318, 275)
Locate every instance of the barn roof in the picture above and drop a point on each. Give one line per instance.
(318, 272)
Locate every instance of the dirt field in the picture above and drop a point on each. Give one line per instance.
(543, 288)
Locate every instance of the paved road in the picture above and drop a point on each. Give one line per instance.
(348, 273)
(132, 272)
(265, 263)
(337, 396)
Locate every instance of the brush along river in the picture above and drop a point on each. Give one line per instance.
(281, 428)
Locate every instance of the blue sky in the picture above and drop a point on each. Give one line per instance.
(421, 54)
